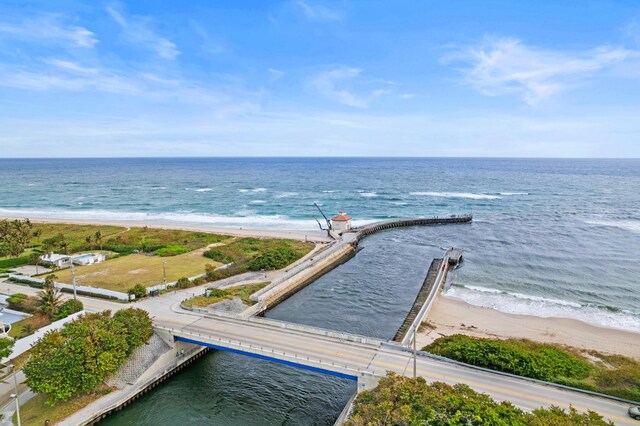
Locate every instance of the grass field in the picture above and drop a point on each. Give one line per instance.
(124, 272)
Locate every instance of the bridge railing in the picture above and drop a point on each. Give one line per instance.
(263, 350)
(347, 337)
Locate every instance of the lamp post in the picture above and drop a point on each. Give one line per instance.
(415, 331)
(73, 279)
(17, 396)
(164, 271)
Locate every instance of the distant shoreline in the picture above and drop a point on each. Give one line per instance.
(315, 236)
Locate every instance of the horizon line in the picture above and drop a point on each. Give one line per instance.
(315, 157)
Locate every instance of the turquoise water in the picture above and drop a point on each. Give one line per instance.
(550, 237)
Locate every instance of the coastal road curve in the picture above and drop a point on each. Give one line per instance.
(373, 358)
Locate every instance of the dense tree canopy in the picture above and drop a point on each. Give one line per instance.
(14, 237)
(401, 400)
(80, 356)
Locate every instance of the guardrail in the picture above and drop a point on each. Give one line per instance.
(262, 350)
(442, 273)
(319, 331)
(397, 347)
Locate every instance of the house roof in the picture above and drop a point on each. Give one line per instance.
(54, 257)
(341, 218)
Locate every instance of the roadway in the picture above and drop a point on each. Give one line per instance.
(346, 354)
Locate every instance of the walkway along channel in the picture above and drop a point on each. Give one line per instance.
(433, 284)
(339, 252)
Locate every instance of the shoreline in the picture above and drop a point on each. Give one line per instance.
(312, 235)
(450, 315)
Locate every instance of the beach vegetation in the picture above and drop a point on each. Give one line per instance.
(14, 236)
(400, 400)
(215, 295)
(49, 298)
(172, 250)
(614, 375)
(254, 254)
(76, 359)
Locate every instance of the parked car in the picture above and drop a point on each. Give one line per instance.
(634, 412)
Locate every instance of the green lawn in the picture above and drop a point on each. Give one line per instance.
(124, 272)
(244, 291)
(35, 411)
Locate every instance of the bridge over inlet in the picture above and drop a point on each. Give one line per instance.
(365, 360)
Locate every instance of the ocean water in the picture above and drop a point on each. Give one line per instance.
(549, 237)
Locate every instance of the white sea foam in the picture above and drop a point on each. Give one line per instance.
(628, 224)
(257, 202)
(398, 203)
(513, 193)
(329, 191)
(286, 195)
(204, 189)
(524, 304)
(245, 219)
(258, 189)
(243, 190)
(457, 195)
(368, 194)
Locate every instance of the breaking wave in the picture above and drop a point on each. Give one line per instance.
(524, 304)
(457, 195)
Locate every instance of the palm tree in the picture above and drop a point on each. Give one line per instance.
(37, 233)
(88, 241)
(49, 298)
(34, 259)
(98, 238)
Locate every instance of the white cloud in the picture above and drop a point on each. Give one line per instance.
(319, 13)
(137, 30)
(275, 75)
(338, 84)
(71, 66)
(502, 66)
(49, 28)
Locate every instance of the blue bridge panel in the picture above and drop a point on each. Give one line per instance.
(268, 358)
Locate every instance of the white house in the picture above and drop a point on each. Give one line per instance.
(341, 223)
(59, 260)
(88, 258)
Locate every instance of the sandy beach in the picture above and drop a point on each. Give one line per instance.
(453, 316)
(315, 236)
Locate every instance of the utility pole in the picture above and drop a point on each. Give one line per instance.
(415, 332)
(73, 279)
(164, 271)
(17, 396)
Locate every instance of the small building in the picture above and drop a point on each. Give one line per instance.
(58, 260)
(88, 259)
(341, 223)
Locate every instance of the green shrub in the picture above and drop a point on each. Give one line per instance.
(183, 283)
(138, 290)
(23, 303)
(69, 307)
(14, 261)
(216, 254)
(274, 258)
(216, 292)
(399, 400)
(199, 281)
(524, 358)
(171, 251)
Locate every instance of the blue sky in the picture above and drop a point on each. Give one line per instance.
(314, 78)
